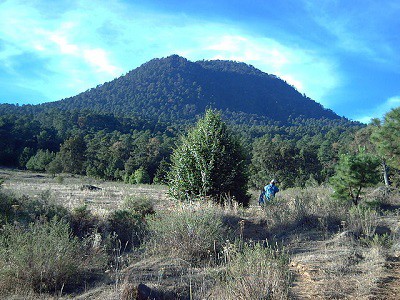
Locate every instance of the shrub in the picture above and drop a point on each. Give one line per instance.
(363, 220)
(129, 227)
(40, 160)
(44, 207)
(84, 223)
(190, 232)
(255, 272)
(140, 176)
(26, 209)
(42, 257)
(142, 205)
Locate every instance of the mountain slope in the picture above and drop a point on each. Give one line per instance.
(173, 88)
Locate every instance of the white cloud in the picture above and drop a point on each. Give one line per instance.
(86, 49)
(302, 68)
(99, 59)
(379, 110)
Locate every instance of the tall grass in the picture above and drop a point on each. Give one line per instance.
(255, 271)
(43, 257)
(190, 232)
(297, 207)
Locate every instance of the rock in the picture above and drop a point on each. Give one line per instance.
(89, 187)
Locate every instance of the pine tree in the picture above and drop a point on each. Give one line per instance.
(209, 162)
(353, 173)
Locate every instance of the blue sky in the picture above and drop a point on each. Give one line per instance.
(343, 54)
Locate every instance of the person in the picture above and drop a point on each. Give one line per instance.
(268, 192)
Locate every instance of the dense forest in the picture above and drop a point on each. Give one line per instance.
(126, 129)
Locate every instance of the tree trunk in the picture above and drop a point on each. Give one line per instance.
(385, 173)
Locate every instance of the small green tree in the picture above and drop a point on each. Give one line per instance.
(72, 155)
(387, 137)
(209, 162)
(353, 173)
(40, 160)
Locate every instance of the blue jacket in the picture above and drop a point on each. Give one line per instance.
(270, 191)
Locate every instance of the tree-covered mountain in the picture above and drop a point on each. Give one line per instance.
(173, 89)
(126, 129)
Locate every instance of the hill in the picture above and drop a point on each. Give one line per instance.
(132, 123)
(173, 89)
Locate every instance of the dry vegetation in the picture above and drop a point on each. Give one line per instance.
(304, 245)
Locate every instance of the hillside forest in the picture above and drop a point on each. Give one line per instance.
(126, 129)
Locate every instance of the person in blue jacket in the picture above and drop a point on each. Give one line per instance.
(268, 192)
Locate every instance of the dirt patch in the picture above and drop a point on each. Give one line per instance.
(388, 286)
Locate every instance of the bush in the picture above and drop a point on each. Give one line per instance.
(255, 272)
(140, 176)
(26, 210)
(363, 220)
(42, 257)
(191, 233)
(141, 205)
(40, 160)
(129, 227)
(354, 172)
(84, 223)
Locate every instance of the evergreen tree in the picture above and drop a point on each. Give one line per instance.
(209, 162)
(72, 155)
(386, 137)
(353, 173)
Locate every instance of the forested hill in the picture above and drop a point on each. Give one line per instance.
(174, 89)
(130, 125)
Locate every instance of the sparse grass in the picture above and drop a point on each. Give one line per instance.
(254, 271)
(185, 254)
(191, 232)
(363, 220)
(44, 257)
(312, 207)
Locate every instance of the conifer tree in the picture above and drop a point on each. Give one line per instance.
(353, 173)
(209, 162)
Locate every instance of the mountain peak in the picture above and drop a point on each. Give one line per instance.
(176, 88)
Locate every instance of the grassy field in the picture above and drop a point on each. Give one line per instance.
(304, 245)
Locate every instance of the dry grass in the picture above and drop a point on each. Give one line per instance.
(327, 259)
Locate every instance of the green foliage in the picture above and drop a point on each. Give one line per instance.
(282, 160)
(173, 88)
(209, 162)
(161, 176)
(142, 205)
(353, 173)
(387, 138)
(40, 161)
(132, 122)
(26, 154)
(42, 257)
(363, 220)
(26, 209)
(191, 233)
(8, 207)
(55, 166)
(129, 226)
(256, 272)
(140, 176)
(83, 223)
(385, 241)
(72, 155)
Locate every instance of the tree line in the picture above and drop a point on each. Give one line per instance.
(112, 148)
